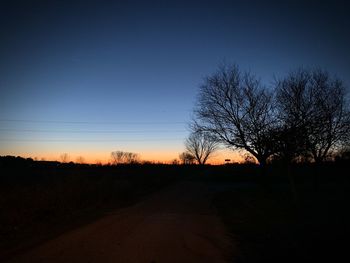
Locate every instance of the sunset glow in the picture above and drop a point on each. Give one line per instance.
(89, 78)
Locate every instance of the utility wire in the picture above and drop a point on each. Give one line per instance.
(91, 131)
(72, 140)
(93, 122)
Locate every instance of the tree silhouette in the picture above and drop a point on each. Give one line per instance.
(186, 158)
(236, 110)
(313, 114)
(80, 160)
(331, 123)
(64, 157)
(117, 157)
(200, 145)
(121, 157)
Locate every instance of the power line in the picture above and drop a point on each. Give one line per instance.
(72, 140)
(92, 131)
(93, 122)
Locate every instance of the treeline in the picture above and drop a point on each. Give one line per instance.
(122, 157)
(302, 117)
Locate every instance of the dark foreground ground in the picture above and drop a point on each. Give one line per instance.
(265, 219)
(273, 224)
(176, 224)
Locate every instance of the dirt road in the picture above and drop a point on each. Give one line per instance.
(177, 224)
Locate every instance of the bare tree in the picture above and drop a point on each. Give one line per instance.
(80, 159)
(237, 111)
(117, 157)
(64, 157)
(121, 157)
(175, 162)
(186, 158)
(131, 158)
(201, 146)
(313, 114)
(331, 120)
(294, 113)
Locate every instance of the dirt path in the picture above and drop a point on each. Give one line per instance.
(177, 224)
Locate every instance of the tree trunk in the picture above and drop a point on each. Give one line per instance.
(262, 178)
(262, 166)
(316, 172)
(292, 183)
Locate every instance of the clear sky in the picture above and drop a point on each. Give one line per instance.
(90, 77)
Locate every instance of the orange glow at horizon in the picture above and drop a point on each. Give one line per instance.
(105, 158)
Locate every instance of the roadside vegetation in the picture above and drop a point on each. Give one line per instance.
(269, 225)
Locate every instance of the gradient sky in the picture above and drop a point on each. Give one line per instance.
(90, 77)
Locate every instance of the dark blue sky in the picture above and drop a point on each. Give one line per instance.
(72, 72)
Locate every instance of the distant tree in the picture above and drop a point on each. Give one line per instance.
(64, 158)
(98, 163)
(131, 158)
(236, 110)
(175, 162)
(121, 157)
(80, 159)
(248, 158)
(201, 146)
(186, 158)
(313, 114)
(117, 157)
